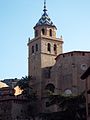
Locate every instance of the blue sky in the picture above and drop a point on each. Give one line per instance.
(17, 18)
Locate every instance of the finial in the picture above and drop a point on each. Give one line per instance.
(28, 39)
(45, 6)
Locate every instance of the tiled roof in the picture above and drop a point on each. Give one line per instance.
(45, 20)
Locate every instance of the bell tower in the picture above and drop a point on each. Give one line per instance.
(43, 49)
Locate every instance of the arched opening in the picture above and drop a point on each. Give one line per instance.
(50, 87)
(36, 47)
(49, 47)
(43, 31)
(32, 49)
(55, 48)
(50, 32)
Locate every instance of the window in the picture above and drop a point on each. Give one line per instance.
(47, 72)
(32, 49)
(49, 47)
(36, 47)
(36, 33)
(55, 48)
(50, 32)
(50, 87)
(43, 31)
(63, 55)
(83, 53)
(71, 54)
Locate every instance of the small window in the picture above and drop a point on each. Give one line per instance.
(47, 72)
(43, 31)
(83, 53)
(63, 55)
(71, 54)
(49, 47)
(55, 48)
(50, 32)
(50, 87)
(36, 47)
(36, 33)
(32, 49)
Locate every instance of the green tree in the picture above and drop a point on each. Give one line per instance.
(72, 107)
(24, 82)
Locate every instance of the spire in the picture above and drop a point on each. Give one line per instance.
(45, 6)
(45, 20)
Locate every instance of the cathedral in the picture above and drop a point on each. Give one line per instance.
(50, 68)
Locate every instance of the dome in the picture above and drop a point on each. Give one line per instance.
(3, 85)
